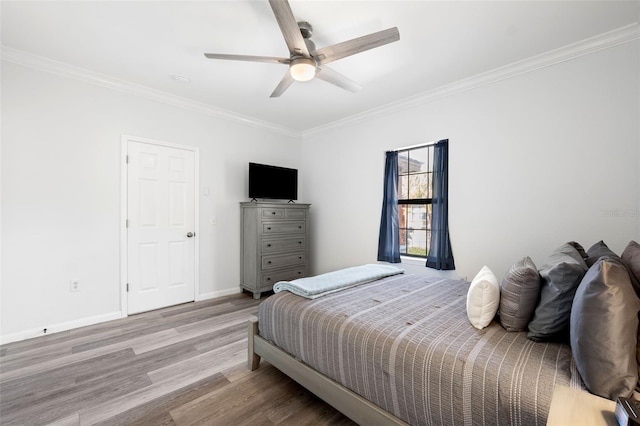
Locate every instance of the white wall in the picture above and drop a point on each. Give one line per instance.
(535, 160)
(61, 194)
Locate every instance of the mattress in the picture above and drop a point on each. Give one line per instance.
(405, 344)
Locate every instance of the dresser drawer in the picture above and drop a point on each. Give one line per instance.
(282, 260)
(290, 227)
(295, 214)
(275, 213)
(283, 244)
(270, 278)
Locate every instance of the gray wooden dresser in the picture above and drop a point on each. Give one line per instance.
(275, 244)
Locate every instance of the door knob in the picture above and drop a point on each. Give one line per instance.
(190, 234)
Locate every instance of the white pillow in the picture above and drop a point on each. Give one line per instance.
(483, 298)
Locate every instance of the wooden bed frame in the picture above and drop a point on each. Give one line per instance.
(339, 397)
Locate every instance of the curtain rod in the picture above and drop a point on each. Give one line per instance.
(419, 145)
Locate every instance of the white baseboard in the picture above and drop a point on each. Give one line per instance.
(56, 328)
(214, 294)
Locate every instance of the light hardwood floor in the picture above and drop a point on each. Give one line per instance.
(183, 365)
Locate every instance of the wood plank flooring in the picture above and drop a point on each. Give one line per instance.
(183, 365)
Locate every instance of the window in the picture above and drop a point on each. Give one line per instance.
(415, 174)
(415, 206)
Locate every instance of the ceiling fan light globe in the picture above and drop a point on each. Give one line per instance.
(302, 69)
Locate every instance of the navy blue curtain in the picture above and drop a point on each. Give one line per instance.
(389, 240)
(440, 254)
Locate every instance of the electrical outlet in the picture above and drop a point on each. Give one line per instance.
(74, 285)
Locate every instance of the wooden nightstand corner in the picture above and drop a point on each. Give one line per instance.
(576, 407)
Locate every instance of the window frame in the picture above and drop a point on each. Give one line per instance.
(404, 202)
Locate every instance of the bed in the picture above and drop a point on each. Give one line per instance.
(401, 350)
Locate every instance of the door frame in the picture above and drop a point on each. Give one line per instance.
(124, 254)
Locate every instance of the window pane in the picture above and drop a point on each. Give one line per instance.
(419, 160)
(403, 241)
(402, 216)
(417, 242)
(419, 186)
(403, 187)
(403, 163)
(417, 216)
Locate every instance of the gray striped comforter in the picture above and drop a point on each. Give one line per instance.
(405, 343)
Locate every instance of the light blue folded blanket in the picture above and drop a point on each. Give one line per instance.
(313, 287)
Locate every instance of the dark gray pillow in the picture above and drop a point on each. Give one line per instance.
(631, 255)
(638, 359)
(600, 250)
(560, 277)
(604, 324)
(519, 294)
(597, 251)
(579, 249)
(631, 258)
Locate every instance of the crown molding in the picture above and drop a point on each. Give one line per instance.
(41, 63)
(584, 47)
(600, 42)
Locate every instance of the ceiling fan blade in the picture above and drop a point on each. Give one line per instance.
(329, 54)
(289, 27)
(284, 84)
(268, 59)
(334, 77)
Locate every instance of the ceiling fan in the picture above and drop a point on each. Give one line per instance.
(305, 61)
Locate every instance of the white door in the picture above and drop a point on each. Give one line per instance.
(161, 226)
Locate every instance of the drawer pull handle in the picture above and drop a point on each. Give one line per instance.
(273, 212)
(268, 279)
(299, 242)
(268, 245)
(269, 228)
(299, 257)
(299, 273)
(299, 227)
(269, 262)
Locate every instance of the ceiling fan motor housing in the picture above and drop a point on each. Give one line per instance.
(306, 29)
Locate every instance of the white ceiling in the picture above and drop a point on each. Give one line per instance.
(441, 42)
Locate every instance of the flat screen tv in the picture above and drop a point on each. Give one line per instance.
(273, 182)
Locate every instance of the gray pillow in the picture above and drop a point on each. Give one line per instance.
(597, 251)
(604, 324)
(600, 250)
(631, 255)
(560, 276)
(519, 294)
(631, 258)
(579, 249)
(638, 359)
